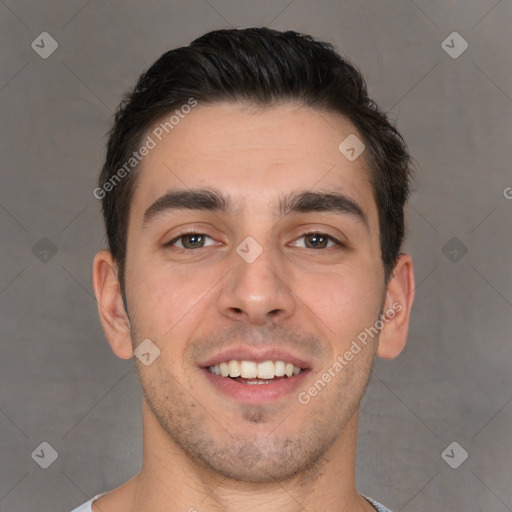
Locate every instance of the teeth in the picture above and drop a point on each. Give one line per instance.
(234, 369)
(266, 370)
(279, 368)
(252, 370)
(224, 369)
(249, 370)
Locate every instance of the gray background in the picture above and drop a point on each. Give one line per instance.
(59, 381)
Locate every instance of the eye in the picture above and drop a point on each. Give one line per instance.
(317, 240)
(190, 241)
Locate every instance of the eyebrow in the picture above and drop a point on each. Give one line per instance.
(210, 199)
(196, 199)
(336, 202)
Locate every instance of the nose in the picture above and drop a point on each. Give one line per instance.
(257, 291)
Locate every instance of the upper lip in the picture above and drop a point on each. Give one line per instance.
(258, 356)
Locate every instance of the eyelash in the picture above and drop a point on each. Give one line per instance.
(302, 234)
(307, 232)
(171, 242)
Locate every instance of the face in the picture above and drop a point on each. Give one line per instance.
(263, 267)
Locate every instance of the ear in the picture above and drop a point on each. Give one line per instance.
(397, 309)
(114, 319)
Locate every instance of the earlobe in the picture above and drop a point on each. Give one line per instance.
(397, 309)
(113, 316)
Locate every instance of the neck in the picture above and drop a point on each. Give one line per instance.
(169, 480)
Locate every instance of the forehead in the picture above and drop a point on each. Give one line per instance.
(254, 155)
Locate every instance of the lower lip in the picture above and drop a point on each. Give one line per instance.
(256, 393)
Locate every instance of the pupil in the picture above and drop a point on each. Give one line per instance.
(319, 240)
(193, 239)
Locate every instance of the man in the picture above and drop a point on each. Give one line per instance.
(253, 197)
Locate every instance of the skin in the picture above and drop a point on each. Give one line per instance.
(202, 449)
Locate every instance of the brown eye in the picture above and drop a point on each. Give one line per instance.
(190, 241)
(318, 241)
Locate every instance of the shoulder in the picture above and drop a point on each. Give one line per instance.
(119, 499)
(378, 507)
(87, 507)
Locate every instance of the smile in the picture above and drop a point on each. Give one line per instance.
(257, 383)
(251, 372)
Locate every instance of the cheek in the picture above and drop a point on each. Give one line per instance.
(168, 296)
(345, 303)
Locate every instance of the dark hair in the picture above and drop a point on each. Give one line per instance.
(263, 67)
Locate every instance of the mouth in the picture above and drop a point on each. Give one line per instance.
(251, 372)
(255, 382)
